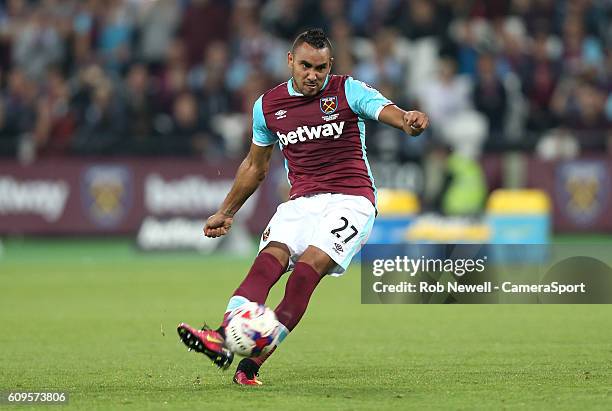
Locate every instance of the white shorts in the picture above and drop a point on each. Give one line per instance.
(338, 224)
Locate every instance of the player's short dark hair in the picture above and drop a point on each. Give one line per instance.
(315, 37)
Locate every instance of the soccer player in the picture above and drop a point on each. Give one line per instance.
(318, 121)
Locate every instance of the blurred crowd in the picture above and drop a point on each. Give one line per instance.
(179, 77)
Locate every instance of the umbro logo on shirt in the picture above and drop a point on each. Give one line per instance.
(304, 133)
(280, 114)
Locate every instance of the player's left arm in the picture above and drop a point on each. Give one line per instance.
(369, 103)
(412, 122)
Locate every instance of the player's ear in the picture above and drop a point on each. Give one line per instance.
(289, 59)
(331, 63)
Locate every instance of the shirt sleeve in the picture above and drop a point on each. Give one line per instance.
(364, 100)
(262, 136)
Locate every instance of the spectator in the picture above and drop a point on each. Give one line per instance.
(215, 63)
(203, 21)
(512, 39)
(157, 24)
(445, 96)
(37, 45)
(581, 107)
(534, 13)
(369, 16)
(55, 122)
(187, 134)
(139, 102)
(538, 84)
(579, 51)
(13, 16)
(214, 96)
(19, 105)
(83, 32)
(489, 96)
(384, 66)
(419, 19)
(8, 141)
(116, 35)
(102, 125)
(285, 18)
(469, 38)
(172, 78)
(254, 50)
(342, 38)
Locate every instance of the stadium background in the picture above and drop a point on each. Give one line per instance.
(122, 124)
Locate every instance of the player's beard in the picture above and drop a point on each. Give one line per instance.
(310, 89)
(307, 91)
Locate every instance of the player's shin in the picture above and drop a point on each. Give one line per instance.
(300, 286)
(264, 273)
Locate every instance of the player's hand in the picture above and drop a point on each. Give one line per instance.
(217, 225)
(415, 122)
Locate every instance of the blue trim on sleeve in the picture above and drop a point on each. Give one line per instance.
(262, 136)
(364, 100)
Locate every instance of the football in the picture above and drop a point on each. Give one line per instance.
(252, 331)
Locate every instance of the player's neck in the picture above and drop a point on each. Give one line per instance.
(295, 87)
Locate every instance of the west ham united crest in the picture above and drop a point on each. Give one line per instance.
(329, 104)
(106, 193)
(582, 190)
(266, 235)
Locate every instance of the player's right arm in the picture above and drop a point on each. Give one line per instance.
(251, 173)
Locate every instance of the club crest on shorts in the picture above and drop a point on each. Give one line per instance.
(266, 234)
(328, 104)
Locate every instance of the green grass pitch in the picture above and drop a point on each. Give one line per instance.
(97, 320)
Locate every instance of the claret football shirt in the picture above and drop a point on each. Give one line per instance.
(321, 137)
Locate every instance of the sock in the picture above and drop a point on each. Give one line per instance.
(300, 286)
(252, 364)
(264, 273)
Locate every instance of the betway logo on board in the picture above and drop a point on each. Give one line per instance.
(304, 133)
(46, 198)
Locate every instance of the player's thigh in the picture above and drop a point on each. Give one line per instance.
(345, 226)
(290, 226)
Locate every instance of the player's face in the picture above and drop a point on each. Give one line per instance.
(309, 67)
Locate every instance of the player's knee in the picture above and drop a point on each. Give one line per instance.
(318, 260)
(279, 251)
